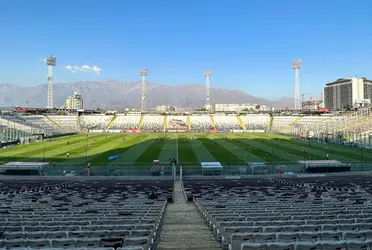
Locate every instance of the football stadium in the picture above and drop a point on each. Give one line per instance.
(186, 181)
(96, 159)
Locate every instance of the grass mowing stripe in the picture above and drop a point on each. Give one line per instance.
(152, 152)
(185, 152)
(302, 152)
(201, 152)
(270, 150)
(135, 151)
(98, 152)
(243, 154)
(262, 154)
(115, 148)
(339, 150)
(77, 153)
(52, 154)
(323, 149)
(169, 149)
(16, 153)
(25, 148)
(219, 152)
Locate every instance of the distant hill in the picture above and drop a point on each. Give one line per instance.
(114, 95)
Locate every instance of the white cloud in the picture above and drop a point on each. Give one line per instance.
(84, 68)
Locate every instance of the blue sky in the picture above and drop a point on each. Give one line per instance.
(247, 44)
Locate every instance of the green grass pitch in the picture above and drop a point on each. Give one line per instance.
(140, 150)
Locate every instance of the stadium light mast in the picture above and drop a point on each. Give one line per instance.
(143, 74)
(207, 75)
(296, 65)
(51, 62)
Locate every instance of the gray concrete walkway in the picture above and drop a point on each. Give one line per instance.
(184, 228)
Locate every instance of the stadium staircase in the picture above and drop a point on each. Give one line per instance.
(298, 119)
(78, 123)
(54, 122)
(141, 121)
(188, 122)
(111, 123)
(271, 121)
(183, 226)
(165, 123)
(212, 121)
(240, 121)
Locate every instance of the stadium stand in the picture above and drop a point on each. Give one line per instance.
(329, 212)
(153, 123)
(123, 122)
(255, 122)
(68, 122)
(81, 214)
(95, 122)
(41, 122)
(280, 122)
(198, 122)
(226, 122)
(14, 128)
(26, 123)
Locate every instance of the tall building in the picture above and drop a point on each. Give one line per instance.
(164, 108)
(74, 102)
(241, 107)
(347, 93)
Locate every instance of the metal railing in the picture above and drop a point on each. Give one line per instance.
(270, 168)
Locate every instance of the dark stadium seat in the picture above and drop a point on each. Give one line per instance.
(107, 209)
(287, 212)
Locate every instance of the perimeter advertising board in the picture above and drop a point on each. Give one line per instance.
(133, 131)
(247, 131)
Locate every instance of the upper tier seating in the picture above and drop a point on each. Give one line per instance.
(66, 214)
(224, 122)
(153, 123)
(31, 124)
(286, 213)
(95, 122)
(255, 122)
(198, 122)
(123, 122)
(280, 122)
(69, 122)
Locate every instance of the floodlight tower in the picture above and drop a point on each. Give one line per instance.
(296, 65)
(51, 62)
(143, 74)
(207, 75)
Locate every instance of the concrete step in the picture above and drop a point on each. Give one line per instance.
(188, 248)
(174, 228)
(184, 228)
(187, 245)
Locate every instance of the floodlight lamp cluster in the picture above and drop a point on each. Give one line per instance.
(50, 61)
(144, 72)
(296, 64)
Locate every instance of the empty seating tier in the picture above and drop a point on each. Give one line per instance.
(286, 213)
(85, 214)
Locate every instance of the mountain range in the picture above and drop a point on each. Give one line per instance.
(118, 95)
